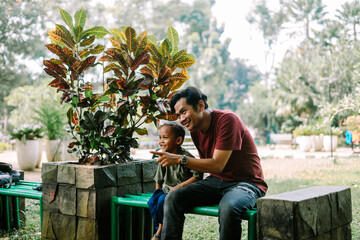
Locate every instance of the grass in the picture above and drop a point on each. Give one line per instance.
(281, 175)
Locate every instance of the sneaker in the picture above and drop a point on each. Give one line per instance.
(155, 237)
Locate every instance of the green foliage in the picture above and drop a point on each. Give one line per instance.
(4, 146)
(27, 133)
(51, 117)
(143, 76)
(303, 130)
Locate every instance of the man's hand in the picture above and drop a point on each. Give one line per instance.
(167, 159)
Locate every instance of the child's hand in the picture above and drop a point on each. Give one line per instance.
(176, 187)
(167, 159)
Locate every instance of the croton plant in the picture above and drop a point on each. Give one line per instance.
(144, 74)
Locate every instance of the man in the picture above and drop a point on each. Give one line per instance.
(228, 152)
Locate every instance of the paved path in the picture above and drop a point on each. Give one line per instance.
(265, 153)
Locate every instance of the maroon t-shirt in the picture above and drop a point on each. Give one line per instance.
(228, 132)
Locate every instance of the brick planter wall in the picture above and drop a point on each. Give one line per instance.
(76, 198)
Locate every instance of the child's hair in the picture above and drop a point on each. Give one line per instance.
(176, 128)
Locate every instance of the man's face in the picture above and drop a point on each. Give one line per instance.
(188, 116)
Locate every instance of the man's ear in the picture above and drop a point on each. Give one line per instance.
(201, 105)
(179, 140)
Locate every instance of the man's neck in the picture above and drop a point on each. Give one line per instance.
(206, 121)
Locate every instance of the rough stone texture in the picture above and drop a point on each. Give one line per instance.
(129, 189)
(67, 199)
(78, 205)
(148, 170)
(99, 177)
(128, 173)
(49, 199)
(49, 172)
(66, 174)
(322, 212)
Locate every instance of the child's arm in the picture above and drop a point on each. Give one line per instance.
(183, 184)
(158, 185)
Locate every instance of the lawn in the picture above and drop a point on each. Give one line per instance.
(281, 175)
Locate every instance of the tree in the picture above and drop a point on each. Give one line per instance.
(350, 15)
(20, 41)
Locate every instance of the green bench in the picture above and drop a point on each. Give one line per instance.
(23, 189)
(144, 225)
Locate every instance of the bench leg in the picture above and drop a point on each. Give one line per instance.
(114, 221)
(17, 212)
(7, 212)
(128, 223)
(41, 213)
(252, 227)
(140, 225)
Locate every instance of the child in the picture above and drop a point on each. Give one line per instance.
(170, 178)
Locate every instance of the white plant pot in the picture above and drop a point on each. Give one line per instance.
(327, 143)
(304, 143)
(53, 150)
(27, 154)
(38, 163)
(316, 142)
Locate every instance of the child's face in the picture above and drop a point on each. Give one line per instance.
(167, 140)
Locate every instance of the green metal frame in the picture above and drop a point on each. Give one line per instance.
(22, 189)
(139, 201)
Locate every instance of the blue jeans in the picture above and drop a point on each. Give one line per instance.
(234, 198)
(156, 206)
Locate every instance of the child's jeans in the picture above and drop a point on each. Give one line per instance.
(156, 206)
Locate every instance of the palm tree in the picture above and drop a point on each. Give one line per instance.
(350, 15)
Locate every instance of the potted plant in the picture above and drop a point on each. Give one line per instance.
(52, 119)
(302, 134)
(316, 138)
(143, 73)
(27, 146)
(330, 138)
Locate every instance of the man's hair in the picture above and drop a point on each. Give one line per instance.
(177, 129)
(192, 94)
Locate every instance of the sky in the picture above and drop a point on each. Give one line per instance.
(247, 42)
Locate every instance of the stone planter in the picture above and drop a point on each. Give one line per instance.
(27, 154)
(316, 142)
(76, 198)
(330, 145)
(304, 143)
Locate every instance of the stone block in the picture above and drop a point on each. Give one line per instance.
(96, 176)
(50, 200)
(128, 173)
(129, 189)
(311, 213)
(87, 229)
(66, 173)
(67, 199)
(94, 204)
(49, 172)
(148, 170)
(58, 226)
(148, 186)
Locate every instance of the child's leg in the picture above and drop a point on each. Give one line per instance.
(153, 206)
(160, 213)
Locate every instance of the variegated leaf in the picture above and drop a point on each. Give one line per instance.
(165, 72)
(145, 70)
(111, 67)
(164, 48)
(116, 42)
(145, 84)
(154, 51)
(139, 60)
(142, 41)
(116, 32)
(187, 62)
(53, 74)
(141, 131)
(59, 83)
(152, 39)
(174, 40)
(179, 56)
(87, 41)
(66, 35)
(98, 49)
(66, 17)
(99, 32)
(169, 117)
(106, 59)
(130, 36)
(78, 32)
(55, 68)
(80, 18)
(109, 131)
(83, 54)
(86, 63)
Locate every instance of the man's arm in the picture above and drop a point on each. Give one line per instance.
(209, 165)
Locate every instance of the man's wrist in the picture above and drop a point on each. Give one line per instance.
(184, 160)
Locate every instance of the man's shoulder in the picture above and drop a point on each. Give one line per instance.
(225, 115)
